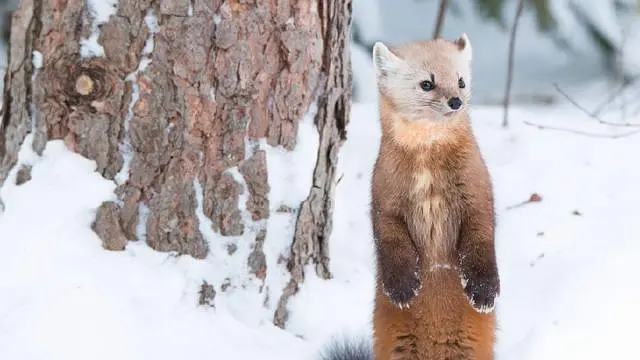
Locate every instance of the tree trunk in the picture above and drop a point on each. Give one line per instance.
(179, 102)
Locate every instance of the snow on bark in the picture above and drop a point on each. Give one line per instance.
(126, 151)
(205, 224)
(100, 11)
(36, 61)
(290, 178)
(314, 220)
(183, 104)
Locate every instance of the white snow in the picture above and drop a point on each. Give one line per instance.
(152, 24)
(100, 11)
(205, 225)
(243, 197)
(64, 297)
(567, 279)
(292, 172)
(36, 60)
(290, 176)
(90, 47)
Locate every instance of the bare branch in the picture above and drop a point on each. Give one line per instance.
(512, 45)
(600, 108)
(583, 133)
(440, 20)
(533, 198)
(593, 115)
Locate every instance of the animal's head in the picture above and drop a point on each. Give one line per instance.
(427, 80)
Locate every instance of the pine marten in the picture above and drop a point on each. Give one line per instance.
(432, 212)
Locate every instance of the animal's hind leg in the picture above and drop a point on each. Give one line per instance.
(405, 348)
(394, 337)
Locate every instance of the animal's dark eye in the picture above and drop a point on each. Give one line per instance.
(461, 84)
(427, 85)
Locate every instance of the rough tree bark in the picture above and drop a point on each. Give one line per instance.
(182, 93)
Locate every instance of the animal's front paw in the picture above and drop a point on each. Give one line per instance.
(481, 291)
(401, 285)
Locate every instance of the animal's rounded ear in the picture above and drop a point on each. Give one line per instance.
(385, 63)
(383, 57)
(464, 45)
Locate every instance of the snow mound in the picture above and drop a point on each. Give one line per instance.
(64, 297)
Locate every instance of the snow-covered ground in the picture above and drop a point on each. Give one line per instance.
(567, 263)
(63, 297)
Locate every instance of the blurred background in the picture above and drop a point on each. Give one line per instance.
(574, 43)
(566, 191)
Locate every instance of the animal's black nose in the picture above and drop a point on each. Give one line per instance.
(454, 103)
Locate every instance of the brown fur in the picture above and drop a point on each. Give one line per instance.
(433, 222)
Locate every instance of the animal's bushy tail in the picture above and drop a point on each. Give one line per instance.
(344, 349)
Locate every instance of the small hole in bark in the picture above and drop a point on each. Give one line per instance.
(84, 85)
(76, 81)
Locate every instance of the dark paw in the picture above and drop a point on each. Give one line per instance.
(481, 291)
(401, 286)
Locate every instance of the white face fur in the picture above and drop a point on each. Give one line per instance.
(427, 81)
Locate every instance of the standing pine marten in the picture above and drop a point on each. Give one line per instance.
(432, 212)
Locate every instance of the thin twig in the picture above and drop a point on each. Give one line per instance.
(600, 108)
(533, 198)
(512, 45)
(583, 133)
(589, 113)
(440, 20)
